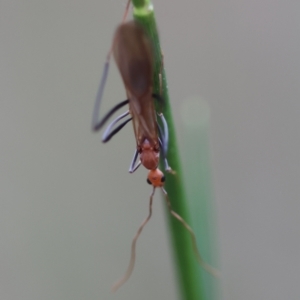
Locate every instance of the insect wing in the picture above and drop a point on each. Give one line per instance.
(133, 54)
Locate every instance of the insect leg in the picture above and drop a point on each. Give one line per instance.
(167, 167)
(99, 95)
(108, 134)
(164, 133)
(163, 141)
(96, 125)
(134, 165)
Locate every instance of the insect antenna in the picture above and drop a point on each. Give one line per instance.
(133, 246)
(214, 272)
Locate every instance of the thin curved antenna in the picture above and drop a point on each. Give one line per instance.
(132, 258)
(214, 272)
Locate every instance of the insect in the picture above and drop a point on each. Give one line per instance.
(133, 54)
(132, 51)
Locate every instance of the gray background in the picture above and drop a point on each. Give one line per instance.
(68, 207)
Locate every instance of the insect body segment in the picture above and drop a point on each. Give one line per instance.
(156, 178)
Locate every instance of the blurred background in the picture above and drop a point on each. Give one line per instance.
(68, 207)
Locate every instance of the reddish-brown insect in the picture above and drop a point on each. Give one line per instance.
(133, 53)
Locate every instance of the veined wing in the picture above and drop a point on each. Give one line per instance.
(134, 56)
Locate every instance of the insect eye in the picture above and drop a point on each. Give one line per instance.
(163, 179)
(149, 182)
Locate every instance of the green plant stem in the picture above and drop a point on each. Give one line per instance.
(191, 285)
(195, 115)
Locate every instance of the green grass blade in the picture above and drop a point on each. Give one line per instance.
(190, 279)
(197, 176)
